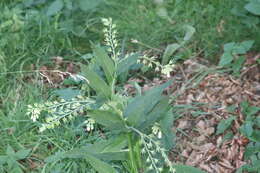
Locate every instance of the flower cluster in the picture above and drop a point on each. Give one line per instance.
(152, 62)
(152, 149)
(58, 111)
(110, 33)
(89, 124)
(156, 130)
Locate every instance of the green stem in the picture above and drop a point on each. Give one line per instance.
(131, 154)
(138, 155)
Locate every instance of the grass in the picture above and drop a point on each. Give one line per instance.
(215, 24)
(34, 42)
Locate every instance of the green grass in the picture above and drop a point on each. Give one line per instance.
(139, 20)
(27, 41)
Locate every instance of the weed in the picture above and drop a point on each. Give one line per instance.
(128, 120)
(233, 55)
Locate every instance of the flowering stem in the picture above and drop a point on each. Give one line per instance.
(131, 154)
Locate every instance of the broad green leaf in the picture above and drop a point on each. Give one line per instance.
(186, 169)
(231, 108)
(55, 7)
(190, 30)
(253, 167)
(125, 64)
(237, 65)
(243, 47)
(111, 149)
(251, 149)
(255, 136)
(157, 113)
(226, 59)
(115, 144)
(140, 106)
(247, 129)
(67, 93)
(170, 49)
(96, 82)
(228, 47)
(166, 127)
(99, 165)
(252, 110)
(225, 124)
(108, 119)
(105, 62)
(80, 153)
(244, 105)
(253, 7)
(89, 5)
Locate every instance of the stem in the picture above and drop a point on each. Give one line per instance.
(138, 154)
(131, 154)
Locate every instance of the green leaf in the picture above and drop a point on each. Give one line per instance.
(111, 149)
(105, 62)
(228, 47)
(244, 105)
(237, 65)
(166, 127)
(252, 110)
(55, 7)
(140, 106)
(107, 119)
(125, 64)
(190, 30)
(67, 93)
(253, 7)
(96, 82)
(157, 113)
(243, 47)
(226, 59)
(224, 124)
(231, 108)
(81, 153)
(99, 165)
(89, 5)
(247, 129)
(255, 136)
(170, 49)
(115, 144)
(250, 150)
(186, 169)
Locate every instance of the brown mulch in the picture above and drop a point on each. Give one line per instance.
(197, 142)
